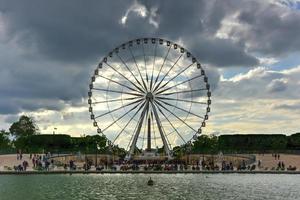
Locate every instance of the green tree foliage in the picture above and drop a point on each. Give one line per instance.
(4, 140)
(205, 144)
(116, 150)
(48, 142)
(23, 128)
(89, 143)
(252, 142)
(178, 151)
(294, 142)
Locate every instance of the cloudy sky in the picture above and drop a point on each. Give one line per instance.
(250, 49)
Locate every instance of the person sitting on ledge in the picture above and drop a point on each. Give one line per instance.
(290, 168)
(99, 168)
(252, 167)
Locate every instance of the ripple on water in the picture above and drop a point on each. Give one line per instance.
(134, 186)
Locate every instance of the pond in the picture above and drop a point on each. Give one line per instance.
(134, 186)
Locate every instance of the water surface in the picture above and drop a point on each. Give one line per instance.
(167, 186)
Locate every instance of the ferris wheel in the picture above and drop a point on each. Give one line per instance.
(149, 93)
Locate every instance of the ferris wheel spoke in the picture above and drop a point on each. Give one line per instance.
(131, 138)
(175, 115)
(117, 91)
(155, 48)
(170, 123)
(116, 109)
(183, 100)
(147, 78)
(129, 122)
(145, 126)
(125, 77)
(167, 73)
(115, 100)
(162, 66)
(109, 79)
(153, 129)
(133, 57)
(134, 131)
(181, 109)
(148, 125)
(161, 91)
(124, 63)
(115, 121)
(163, 136)
(184, 91)
(177, 75)
(138, 130)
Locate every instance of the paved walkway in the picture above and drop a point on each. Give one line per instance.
(11, 161)
(268, 161)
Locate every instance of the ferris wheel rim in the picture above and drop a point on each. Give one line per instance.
(139, 88)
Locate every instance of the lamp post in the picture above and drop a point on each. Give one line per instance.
(96, 159)
(85, 157)
(54, 129)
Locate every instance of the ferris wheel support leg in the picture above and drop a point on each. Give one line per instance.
(149, 135)
(166, 146)
(137, 133)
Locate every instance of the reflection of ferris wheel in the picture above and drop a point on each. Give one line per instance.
(149, 92)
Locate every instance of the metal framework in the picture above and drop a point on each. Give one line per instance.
(149, 92)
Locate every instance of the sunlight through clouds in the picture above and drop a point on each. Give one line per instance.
(48, 56)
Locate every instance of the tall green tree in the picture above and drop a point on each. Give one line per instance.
(4, 140)
(23, 128)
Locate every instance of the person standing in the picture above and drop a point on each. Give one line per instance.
(25, 165)
(33, 161)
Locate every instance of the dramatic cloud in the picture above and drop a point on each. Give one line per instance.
(258, 101)
(261, 83)
(48, 50)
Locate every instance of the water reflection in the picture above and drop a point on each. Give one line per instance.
(167, 186)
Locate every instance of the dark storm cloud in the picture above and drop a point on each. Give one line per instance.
(268, 28)
(66, 30)
(78, 31)
(195, 23)
(221, 52)
(49, 48)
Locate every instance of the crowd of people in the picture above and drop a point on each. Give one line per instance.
(21, 167)
(45, 162)
(207, 165)
(39, 162)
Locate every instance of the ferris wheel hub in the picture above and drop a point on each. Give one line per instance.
(149, 96)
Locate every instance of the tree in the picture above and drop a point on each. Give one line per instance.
(49, 142)
(88, 143)
(294, 142)
(252, 142)
(205, 144)
(178, 152)
(4, 140)
(23, 128)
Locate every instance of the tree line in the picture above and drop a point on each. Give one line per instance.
(246, 143)
(24, 134)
